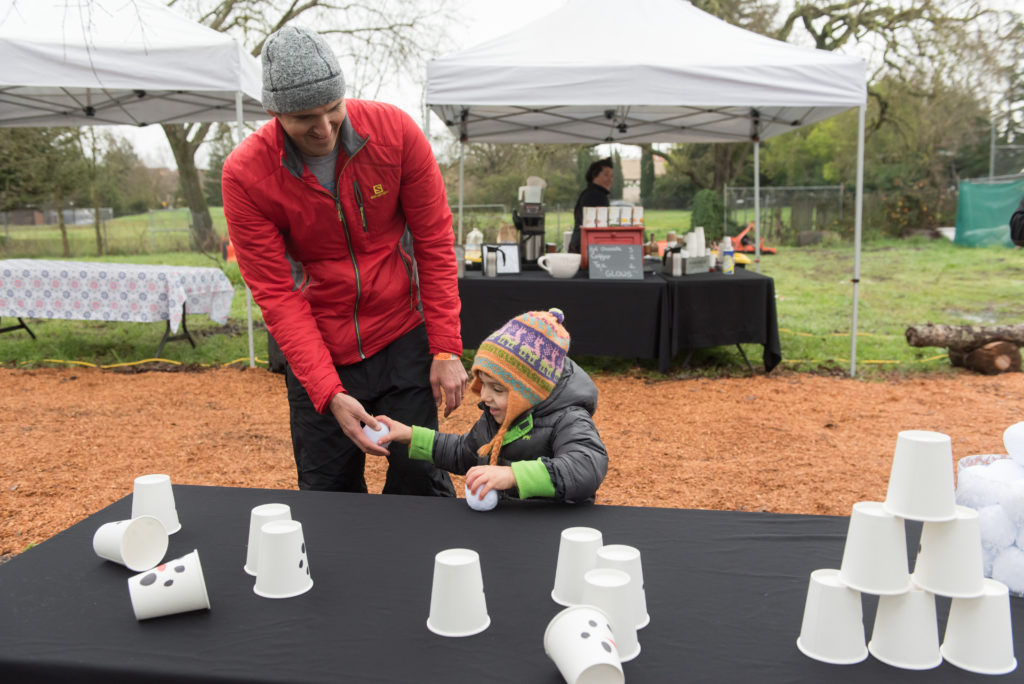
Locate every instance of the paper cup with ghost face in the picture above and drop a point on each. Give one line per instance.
(921, 479)
(176, 586)
(979, 636)
(580, 642)
(153, 496)
(283, 568)
(833, 625)
(458, 607)
(608, 589)
(258, 517)
(950, 561)
(138, 544)
(577, 553)
(627, 559)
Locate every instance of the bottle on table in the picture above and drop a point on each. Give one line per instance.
(728, 256)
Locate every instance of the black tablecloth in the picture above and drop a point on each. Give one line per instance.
(725, 592)
(604, 317)
(712, 309)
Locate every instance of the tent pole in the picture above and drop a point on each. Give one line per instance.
(857, 223)
(239, 134)
(757, 205)
(462, 174)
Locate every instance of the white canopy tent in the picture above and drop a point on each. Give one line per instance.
(602, 71)
(135, 62)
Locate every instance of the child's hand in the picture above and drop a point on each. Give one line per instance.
(489, 477)
(397, 432)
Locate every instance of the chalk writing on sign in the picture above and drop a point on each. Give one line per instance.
(615, 262)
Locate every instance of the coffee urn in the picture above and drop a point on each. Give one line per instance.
(528, 218)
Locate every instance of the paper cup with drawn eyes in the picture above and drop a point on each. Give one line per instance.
(258, 517)
(577, 553)
(580, 641)
(176, 586)
(153, 496)
(283, 568)
(138, 544)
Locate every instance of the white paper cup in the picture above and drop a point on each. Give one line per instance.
(258, 517)
(580, 642)
(906, 632)
(921, 480)
(979, 637)
(833, 626)
(875, 555)
(627, 559)
(457, 604)
(608, 589)
(138, 544)
(282, 570)
(950, 561)
(489, 501)
(176, 586)
(577, 553)
(153, 496)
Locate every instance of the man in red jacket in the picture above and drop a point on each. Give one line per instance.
(333, 184)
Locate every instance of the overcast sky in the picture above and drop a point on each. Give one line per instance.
(484, 19)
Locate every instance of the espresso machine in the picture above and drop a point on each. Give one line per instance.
(528, 218)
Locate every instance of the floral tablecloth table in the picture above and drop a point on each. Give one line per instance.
(95, 291)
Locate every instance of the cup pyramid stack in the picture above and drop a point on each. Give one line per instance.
(978, 634)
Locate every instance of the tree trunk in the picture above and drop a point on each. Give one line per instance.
(59, 197)
(962, 337)
(992, 358)
(204, 238)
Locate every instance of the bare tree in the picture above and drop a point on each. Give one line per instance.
(375, 41)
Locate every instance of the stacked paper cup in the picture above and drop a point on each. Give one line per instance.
(978, 634)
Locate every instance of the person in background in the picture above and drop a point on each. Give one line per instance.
(334, 184)
(1017, 225)
(596, 194)
(536, 437)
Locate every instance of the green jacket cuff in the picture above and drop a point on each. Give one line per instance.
(421, 446)
(532, 479)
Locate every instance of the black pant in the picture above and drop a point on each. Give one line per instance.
(393, 382)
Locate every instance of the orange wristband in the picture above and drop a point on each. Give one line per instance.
(446, 356)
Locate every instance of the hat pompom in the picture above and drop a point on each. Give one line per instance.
(557, 313)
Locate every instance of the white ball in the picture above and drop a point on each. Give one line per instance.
(374, 435)
(489, 501)
(1013, 440)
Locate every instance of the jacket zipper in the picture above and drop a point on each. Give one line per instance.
(407, 262)
(355, 267)
(359, 201)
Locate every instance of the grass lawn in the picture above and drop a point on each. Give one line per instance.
(903, 283)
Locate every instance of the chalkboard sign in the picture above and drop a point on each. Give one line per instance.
(615, 262)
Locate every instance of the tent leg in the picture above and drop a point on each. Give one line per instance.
(857, 227)
(248, 295)
(757, 207)
(462, 174)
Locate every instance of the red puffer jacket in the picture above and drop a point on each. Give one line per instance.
(358, 294)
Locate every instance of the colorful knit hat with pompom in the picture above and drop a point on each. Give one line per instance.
(527, 356)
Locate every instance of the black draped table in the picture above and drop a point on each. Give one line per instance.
(713, 309)
(604, 317)
(653, 318)
(725, 592)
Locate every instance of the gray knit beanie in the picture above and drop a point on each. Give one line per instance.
(300, 71)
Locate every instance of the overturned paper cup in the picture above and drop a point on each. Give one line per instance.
(138, 544)
(577, 553)
(875, 555)
(979, 636)
(176, 586)
(579, 640)
(258, 517)
(458, 607)
(608, 589)
(906, 633)
(921, 479)
(950, 561)
(627, 559)
(833, 625)
(282, 569)
(153, 496)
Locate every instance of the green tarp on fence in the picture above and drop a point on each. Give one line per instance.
(983, 211)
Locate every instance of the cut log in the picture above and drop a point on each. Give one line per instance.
(962, 337)
(992, 358)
